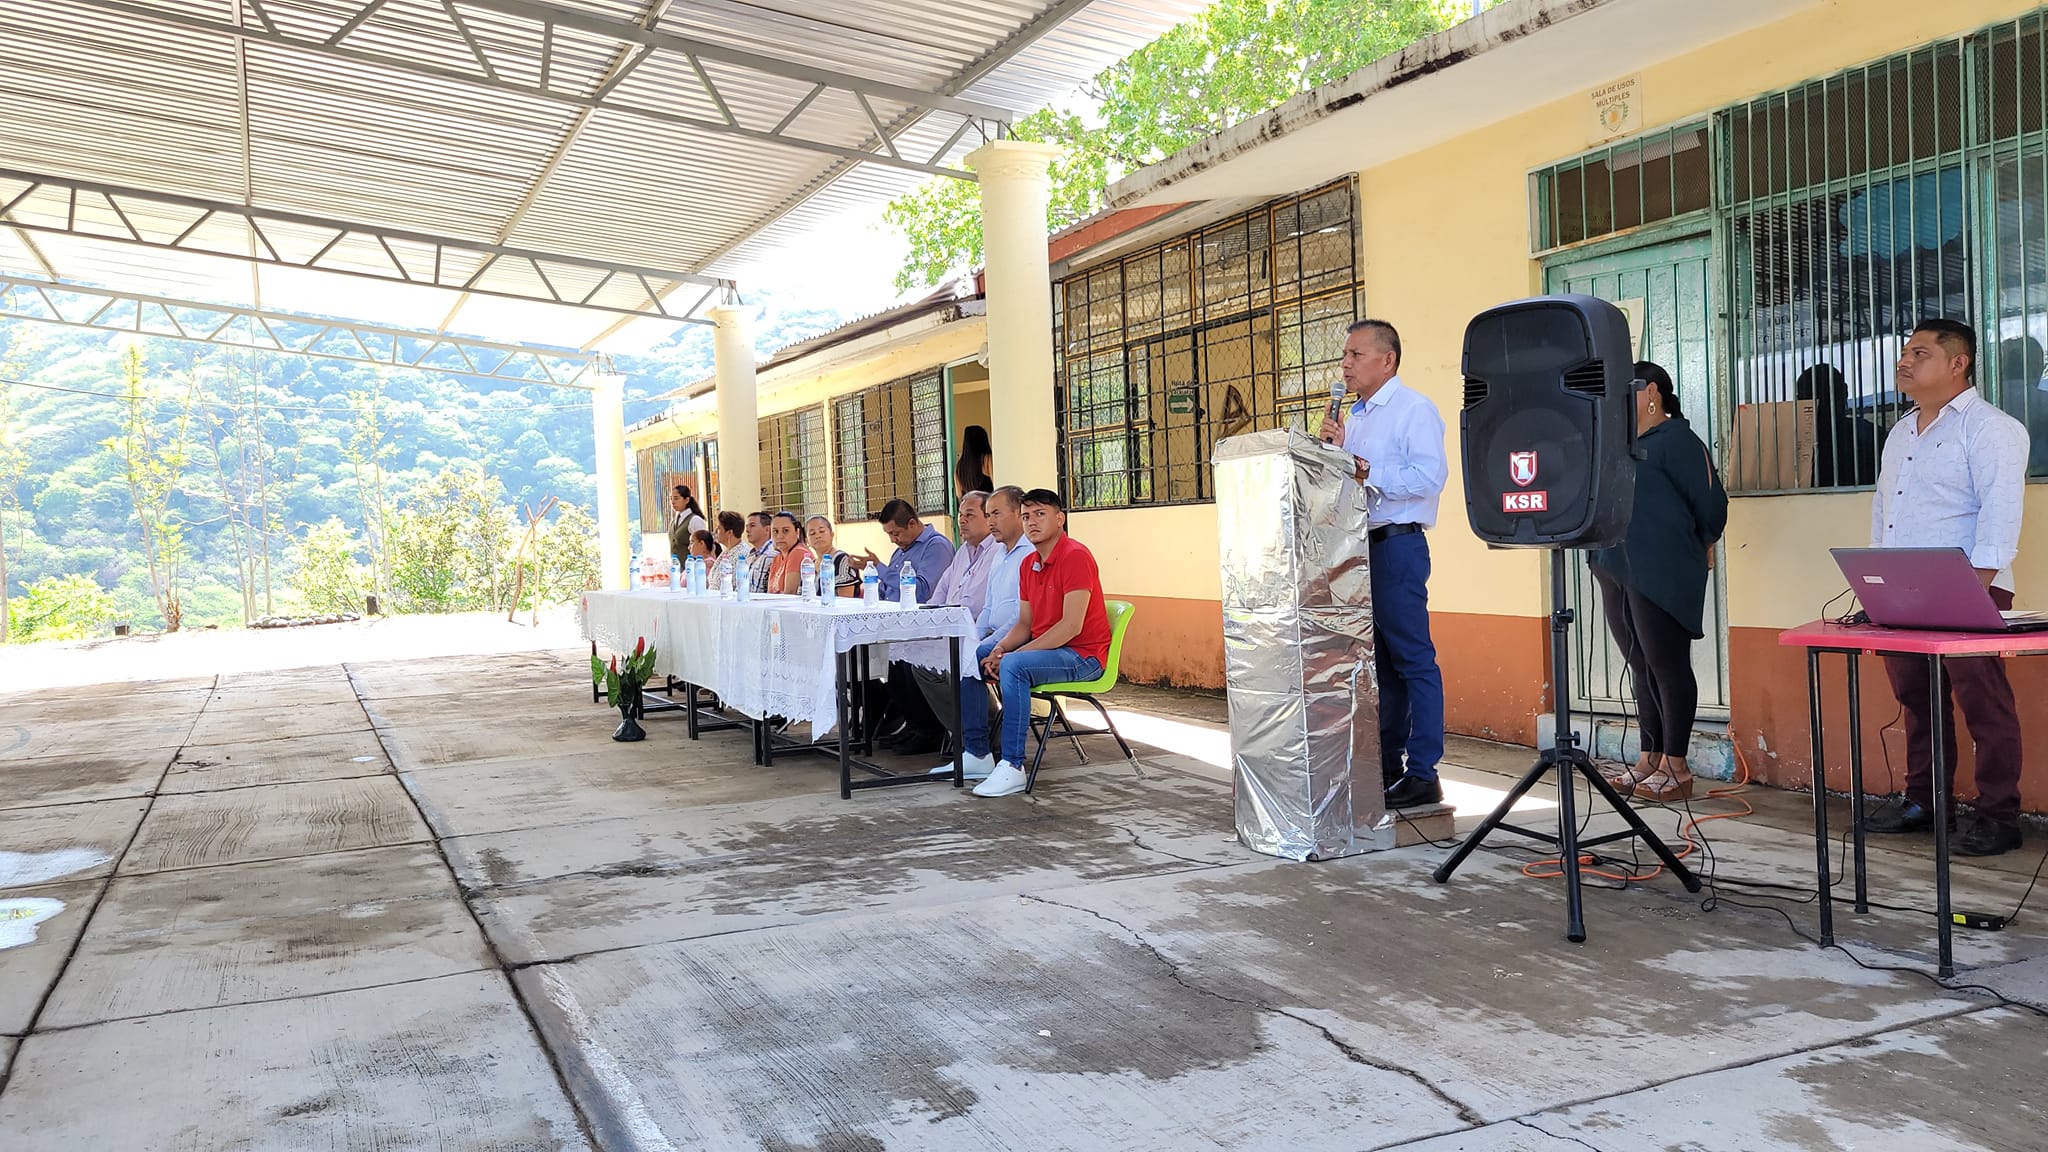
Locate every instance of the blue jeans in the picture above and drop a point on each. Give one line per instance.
(1023, 671)
(973, 696)
(1404, 659)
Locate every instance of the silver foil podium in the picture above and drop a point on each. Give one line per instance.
(1298, 652)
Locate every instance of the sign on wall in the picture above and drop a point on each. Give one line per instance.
(1633, 310)
(1618, 109)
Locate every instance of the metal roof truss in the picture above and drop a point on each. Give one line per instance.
(30, 202)
(83, 306)
(537, 49)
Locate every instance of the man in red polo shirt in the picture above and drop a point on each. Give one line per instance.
(1061, 634)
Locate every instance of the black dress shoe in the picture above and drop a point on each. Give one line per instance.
(1900, 816)
(916, 744)
(1988, 837)
(1411, 792)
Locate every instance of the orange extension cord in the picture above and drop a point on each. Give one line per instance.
(1553, 868)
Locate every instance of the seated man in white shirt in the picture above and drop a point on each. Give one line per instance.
(996, 612)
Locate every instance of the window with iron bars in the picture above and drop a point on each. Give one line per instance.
(891, 442)
(1644, 181)
(1857, 205)
(1236, 327)
(793, 463)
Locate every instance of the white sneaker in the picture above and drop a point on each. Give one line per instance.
(1006, 780)
(976, 767)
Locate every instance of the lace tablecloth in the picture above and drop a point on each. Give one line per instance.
(774, 655)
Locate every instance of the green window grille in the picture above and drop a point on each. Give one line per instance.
(1649, 180)
(1235, 327)
(891, 441)
(793, 462)
(1858, 204)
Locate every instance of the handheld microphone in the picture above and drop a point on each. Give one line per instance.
(1337, 399)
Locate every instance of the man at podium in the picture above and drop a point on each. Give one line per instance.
(1396, 438)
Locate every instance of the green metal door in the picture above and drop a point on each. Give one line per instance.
(1666, 288)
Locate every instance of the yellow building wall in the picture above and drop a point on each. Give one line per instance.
(1445, 233)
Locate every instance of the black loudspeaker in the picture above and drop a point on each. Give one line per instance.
(1548, 425)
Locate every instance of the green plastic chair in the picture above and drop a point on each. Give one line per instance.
(1054, 725)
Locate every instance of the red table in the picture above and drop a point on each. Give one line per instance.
(1853, 641)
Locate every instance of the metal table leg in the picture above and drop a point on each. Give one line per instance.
(1938, 733)
(1856, 778)
(959, 713)
(1820, 799)
(846, 715)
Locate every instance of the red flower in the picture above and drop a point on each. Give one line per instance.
(615, 665)
(639, 647)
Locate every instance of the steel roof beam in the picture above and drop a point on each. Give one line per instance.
(352, 40)
(32, 202)
(107, 310)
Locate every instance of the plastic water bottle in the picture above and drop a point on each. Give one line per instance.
(807, 580)
(906, 587)
(743, 576)
(827, 580)
(675, 573)
(870, 587)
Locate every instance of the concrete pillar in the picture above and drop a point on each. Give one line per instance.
(1015, 182)
(739, 411)
(614, 534)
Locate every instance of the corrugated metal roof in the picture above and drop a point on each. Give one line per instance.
(579, 128)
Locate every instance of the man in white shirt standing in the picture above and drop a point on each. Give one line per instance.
(1954, 475)
(1396, 438)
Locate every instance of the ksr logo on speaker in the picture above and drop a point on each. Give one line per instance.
(1522, 468)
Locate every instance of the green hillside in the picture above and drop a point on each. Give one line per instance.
(276, 446)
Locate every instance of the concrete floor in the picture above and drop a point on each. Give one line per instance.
(428, 904)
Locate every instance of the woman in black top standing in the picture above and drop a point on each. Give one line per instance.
(971, 470)
(1653, 585)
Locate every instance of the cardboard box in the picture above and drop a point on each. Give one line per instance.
(1772, 447)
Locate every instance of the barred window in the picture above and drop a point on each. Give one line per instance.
(793, 462)
(891, 442)
(1848, 222)
(1645, 181)
(1236, 327)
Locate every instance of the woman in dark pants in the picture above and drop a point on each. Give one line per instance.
(1653, 585)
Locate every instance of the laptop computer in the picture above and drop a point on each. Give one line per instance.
(1931, 589)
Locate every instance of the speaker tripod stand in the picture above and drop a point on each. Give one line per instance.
(1566, 759)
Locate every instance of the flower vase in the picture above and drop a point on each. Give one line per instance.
(629, 712)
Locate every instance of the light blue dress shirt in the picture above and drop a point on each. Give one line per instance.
(1000, 613)
(1401, 435)
(930, 554)
(1960, 484)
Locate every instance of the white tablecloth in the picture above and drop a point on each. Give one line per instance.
(774, 655)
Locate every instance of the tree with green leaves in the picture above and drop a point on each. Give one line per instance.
(22, 344)
(1228, 63)
(324, 570)
(367, 448)
(70, 607)
(154, 446)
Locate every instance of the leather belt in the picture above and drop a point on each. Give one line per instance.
(1386, 530)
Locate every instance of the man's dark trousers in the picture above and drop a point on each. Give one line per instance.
(1404, 658)
(1988, 707)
